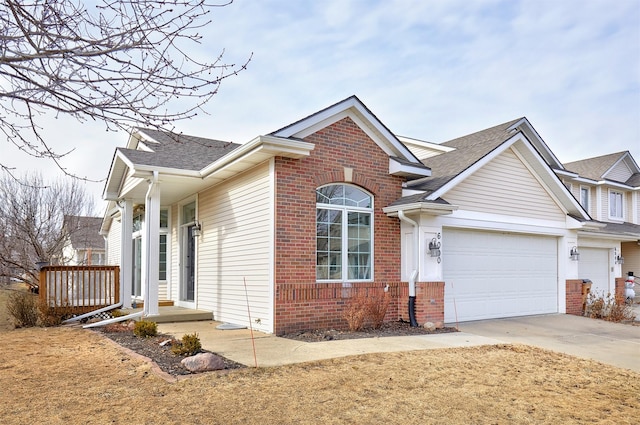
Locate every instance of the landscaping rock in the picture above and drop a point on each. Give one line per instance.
(203, 362)
(430, 326)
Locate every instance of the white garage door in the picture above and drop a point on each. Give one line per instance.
(491, 275)
(594, 265)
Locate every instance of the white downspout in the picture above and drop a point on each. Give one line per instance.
(414, 273)
(151, 268)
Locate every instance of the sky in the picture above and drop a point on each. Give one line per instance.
(428, 69)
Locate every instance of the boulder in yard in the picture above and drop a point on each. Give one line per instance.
(203, 362)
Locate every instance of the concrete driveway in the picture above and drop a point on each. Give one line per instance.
(616, 344)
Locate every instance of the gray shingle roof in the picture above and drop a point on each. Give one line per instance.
(468, 150)
(178, 151)
(634, 180)
(626, 229)
(594, 168)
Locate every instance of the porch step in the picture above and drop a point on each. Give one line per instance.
(161, 303)
(169, 314)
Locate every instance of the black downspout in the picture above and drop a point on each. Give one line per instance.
(412, 312)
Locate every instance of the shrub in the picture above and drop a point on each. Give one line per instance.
(117, 313)
(22, 308)
(189, 345)
(50, 316)
(355, 312)
(377, 308)
(145, 328)
(607, 308)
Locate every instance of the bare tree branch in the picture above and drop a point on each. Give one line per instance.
(32, 214)
(122, 62)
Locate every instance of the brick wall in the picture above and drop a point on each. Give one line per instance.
(620, 290)
(321, 305)
(574, 296)
(300, 302)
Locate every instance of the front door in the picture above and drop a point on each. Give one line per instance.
(136, 287)
(187, 294)
(187, 287)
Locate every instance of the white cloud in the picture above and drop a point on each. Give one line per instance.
(428, 69)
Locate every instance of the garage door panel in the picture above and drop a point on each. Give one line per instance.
(594, 265)
(490, 275)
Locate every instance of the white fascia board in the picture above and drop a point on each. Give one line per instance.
(409, 192)
(537, 141)
(396, 168)
(117, 173)
(617, 185)
(425, 144)
(355, 110)
(144, 171)
(420, 207)
(274, 146)
(565, 173)
(475, 167)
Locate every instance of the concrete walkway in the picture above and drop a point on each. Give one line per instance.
(615, 344)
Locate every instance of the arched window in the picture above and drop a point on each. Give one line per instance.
(344, 240)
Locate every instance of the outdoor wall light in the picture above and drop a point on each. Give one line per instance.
(434, 248)
(574, 254)
(618, 259)
(197, 229)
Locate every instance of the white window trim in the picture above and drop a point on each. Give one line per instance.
(345, 242)
(621, 216)
(588, 189)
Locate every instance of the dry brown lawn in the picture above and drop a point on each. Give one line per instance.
(74, 376)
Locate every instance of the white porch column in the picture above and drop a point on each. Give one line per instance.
(126, 254)
(151, 247)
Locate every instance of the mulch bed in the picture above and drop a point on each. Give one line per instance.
(398, 328)
(158, 348)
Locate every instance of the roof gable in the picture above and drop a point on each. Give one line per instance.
(618, 167)
(476, 150)
(402, 160)
(506, 186)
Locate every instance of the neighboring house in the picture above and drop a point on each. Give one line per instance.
(293, 224)
(83, 243)
(608, 187)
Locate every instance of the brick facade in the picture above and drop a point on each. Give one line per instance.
(300, 302)
(575, 297)
(620, 290)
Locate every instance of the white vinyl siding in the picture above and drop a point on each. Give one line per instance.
(505, 186)
(235, 246)
(492, 275)
(620, 173)
(631, 254)
(114, 243)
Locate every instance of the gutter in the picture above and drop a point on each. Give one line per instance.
(414, 274)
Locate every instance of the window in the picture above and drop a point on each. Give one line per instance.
(344, 216)
(164, 230)
(584, 198)
(615, 205)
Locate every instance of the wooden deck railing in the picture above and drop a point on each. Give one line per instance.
(79, 289)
